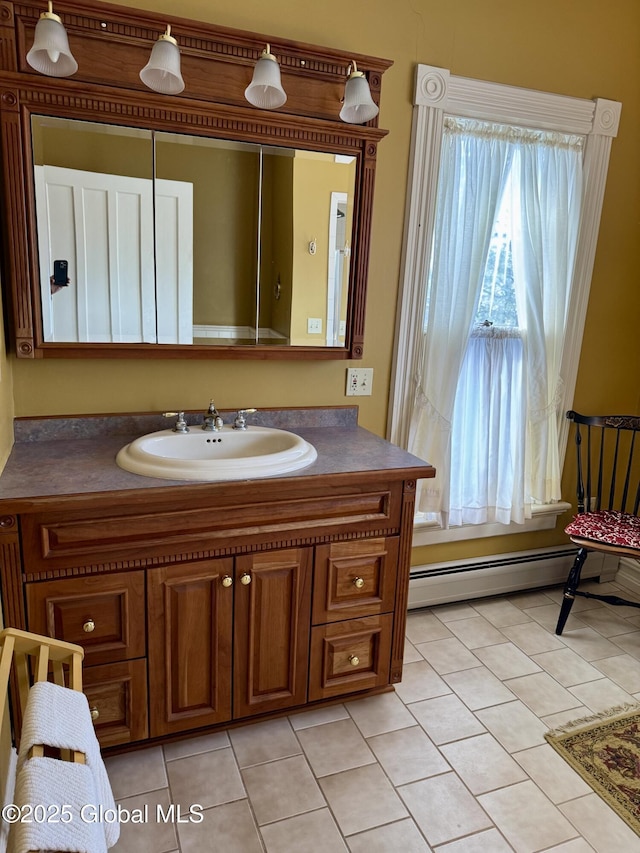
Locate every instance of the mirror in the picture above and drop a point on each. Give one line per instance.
(142, 225)
(178, 239)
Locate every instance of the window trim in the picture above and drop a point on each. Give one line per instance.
(438, 93)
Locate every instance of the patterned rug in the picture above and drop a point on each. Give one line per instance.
(605, 751)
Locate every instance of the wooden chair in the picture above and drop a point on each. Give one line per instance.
(608, 491)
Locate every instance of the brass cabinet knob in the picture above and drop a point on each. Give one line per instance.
(227, 581)
(354, 660)
(94, 713)
(358, 583)
(245, 579)
(89, 626)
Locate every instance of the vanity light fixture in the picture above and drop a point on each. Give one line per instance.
(265, 90)
(358, 106)
(50, 53)
(162, 71)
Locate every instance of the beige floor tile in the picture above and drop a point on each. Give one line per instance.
(629, 643)
(411, 654)
(552, 774)
(513, 725)
(489, 841)
(315, 832)
(590, 645)
(567, 667)
(335, 747)
(563, 718)
(446, 718)
(421, 681)
(600, 825)
(318, 717)
(401, 837)
(526, 817)
(153, 834)
(282, 789)
(523, 600)
(623, 669)
(260, 742)
(576, 845)
(209, 779)
(547, 617)
(532, 638)
(423, 626)
(500, 612)
(229, 828)
(408, 755)
(601, 695)
(476, 632)
(452, 612)
(443, 808)
(361, 799)
(505, 660)
(448, 655)
(482, 764)
(606, 622)
(543, 694)
(136, 772)
(374, 715)
(193, 745)
(479, 688)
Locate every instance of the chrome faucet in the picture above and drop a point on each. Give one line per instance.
(181, 424)
(212, 419)
(241, 419)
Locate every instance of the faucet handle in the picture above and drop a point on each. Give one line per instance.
(241, 418)
(181, 424)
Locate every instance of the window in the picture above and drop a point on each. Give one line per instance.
(497, 262)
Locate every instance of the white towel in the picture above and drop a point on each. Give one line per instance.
(59, 717)
(46, 785)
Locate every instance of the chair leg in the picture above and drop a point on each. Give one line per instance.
(570, 588)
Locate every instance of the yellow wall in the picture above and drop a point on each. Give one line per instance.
(586, 49)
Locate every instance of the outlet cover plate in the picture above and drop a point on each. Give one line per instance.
(359, 381)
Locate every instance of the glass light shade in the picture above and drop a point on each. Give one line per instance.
(358, 106)
(50, 53)
(162, 71)
(265, 90)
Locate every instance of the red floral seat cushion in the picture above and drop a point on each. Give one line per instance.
(609, 527)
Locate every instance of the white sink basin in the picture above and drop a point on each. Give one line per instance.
(228, 454)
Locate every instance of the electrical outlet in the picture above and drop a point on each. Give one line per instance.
(359, 381)
(314, 326)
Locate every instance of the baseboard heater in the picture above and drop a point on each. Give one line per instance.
(460, 580)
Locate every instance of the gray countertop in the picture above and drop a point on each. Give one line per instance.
(76, 456)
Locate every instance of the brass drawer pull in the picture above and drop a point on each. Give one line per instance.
(358, 583)
(227, 581)
(94, 713)
(89, 626)
(245, 579)
(354, 660)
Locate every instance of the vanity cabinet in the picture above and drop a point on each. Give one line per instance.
(203, 605)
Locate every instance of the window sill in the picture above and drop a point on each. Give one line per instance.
(543, 517)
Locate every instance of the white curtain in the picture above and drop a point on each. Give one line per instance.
(485, 404)
(546, 203)
(473, 167)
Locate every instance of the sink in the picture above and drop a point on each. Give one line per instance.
(228, 454)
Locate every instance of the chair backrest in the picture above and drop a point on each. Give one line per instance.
(608, 462)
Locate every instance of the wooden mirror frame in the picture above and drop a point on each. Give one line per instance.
(111, 44)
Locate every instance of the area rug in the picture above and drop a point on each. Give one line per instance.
(605, 751)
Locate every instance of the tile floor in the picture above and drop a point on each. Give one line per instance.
(454, 761)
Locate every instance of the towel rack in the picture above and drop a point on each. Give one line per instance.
(29, 656)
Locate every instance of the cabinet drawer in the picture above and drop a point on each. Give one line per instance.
(354, 579)
(117, 696)
(103, 614)
(350, 656)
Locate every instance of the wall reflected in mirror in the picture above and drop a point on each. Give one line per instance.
(172, 238)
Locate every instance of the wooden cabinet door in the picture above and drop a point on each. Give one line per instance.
(190, 635)
(117, 696)
(272, 624)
